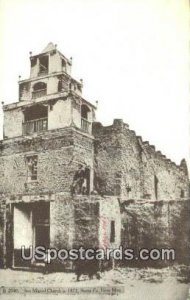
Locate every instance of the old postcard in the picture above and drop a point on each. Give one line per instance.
(94, 149)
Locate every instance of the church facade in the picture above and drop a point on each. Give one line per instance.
(65, 179)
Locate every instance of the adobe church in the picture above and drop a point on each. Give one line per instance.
(67, 180)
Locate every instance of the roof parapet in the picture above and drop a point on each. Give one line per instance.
(139, 137)
(183, 166)
(133, 132)
(153, 148)
(146, 143)
(118, 122)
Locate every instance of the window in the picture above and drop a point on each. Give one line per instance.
(63, 65)
(84, 111)
(60, 85)
(156, 186)
(117, 185)
(112, 232)
(39, 90)
(182, 194)
(35, 119)
(35, 112)
(32, 162)
(117, 189)
(85, 124)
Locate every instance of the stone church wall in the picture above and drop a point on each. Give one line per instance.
(59, 154)
(129, 167)
(157, 224)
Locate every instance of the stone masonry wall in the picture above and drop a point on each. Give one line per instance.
(157, 224)
(59, 153)
(61, 222)
(86, 215)
(109, 212)
(84, 221)
(172, 179)
(107, 159)
(127, 166)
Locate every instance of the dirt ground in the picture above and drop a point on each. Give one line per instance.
(137, 284)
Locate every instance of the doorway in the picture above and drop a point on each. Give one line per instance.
(31, 227)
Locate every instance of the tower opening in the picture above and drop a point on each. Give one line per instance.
(43, 65)
(84, 111)
(35, 119)
(85, 124)
(39, 90)
(63, 62)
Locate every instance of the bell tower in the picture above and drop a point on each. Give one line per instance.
(50, 98)
(50, 73)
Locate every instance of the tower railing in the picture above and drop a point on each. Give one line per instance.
(36, 125)
(39, 93)
(85, 125)
(43, 72)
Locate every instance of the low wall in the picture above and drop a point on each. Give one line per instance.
(157, 224)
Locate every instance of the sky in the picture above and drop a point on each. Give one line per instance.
(133, 56)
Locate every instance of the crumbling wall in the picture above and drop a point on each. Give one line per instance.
(157, 224)
(93, 217)
(61, 222)
(117, 160)
(109, 212)
(84, 221)
(79, 221)
(86, 215)
(127, 166)
(172, 179)
(107, 160)
(179, 229)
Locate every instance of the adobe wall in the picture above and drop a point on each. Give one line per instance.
(59, 154)
(171, 177)
(59, 115)
(61, 222)
(157, 224)
(86, 215)
(13, 120)
(79, 221)
(84, 221)
(107, 158)
(123, 159)
(109, 211)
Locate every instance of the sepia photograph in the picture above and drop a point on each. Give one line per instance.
(94, 149)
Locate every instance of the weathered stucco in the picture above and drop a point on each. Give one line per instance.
(157, 224)
(104, 185)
